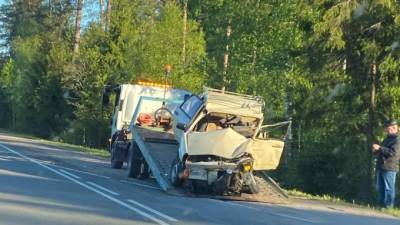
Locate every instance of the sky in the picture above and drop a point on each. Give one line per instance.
(91, 10)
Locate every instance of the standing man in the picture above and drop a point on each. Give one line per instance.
(387, 165)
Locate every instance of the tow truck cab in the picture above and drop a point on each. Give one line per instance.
(126, 98)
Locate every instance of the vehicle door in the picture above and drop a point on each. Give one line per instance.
(267, 147)
(185, 114)
(266, 153)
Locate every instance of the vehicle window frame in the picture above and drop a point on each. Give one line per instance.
(194, 112)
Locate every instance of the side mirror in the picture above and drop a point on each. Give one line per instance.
(186, 97)
(181, 126)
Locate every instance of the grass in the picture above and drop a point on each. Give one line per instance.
(19, 134)
(394, 211)
(296, 193)
(91, 151)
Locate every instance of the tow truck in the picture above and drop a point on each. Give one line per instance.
(213, 144)
(127, 98)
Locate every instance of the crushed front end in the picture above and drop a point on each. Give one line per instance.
(221, 176)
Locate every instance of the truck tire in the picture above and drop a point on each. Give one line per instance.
(114, 163)
(144, 172)
(133, 166)
(175, 170)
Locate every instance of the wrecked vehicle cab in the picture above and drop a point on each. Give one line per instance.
(219, 147)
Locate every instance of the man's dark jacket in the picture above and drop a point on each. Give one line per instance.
(389, 153)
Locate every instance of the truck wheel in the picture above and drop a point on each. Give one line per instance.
(114, 163)
(144, 172)
(176, 169)
(133, 166)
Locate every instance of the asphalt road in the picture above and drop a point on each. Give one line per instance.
(45, 185)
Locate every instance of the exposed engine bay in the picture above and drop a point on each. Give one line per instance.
(218, 160)
(245, 126)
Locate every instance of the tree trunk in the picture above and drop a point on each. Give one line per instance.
(185, 5)
(50, 9)
(226, 55)
(78, 26)
(101, 14)
(109, 5)
(370, 130)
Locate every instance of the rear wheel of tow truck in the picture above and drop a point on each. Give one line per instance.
(114, 163)
(176, 169)
(144, 172)
(133, 166)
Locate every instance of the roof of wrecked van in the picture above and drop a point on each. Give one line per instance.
(233, 103)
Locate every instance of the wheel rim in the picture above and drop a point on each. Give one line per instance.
(142, 168)
(112, 154)
(174, 173)
(129, 163)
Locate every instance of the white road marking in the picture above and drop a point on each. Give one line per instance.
(54, 165)
(269, 212)
(138, 184)
(102, 188)
(153, 210)
(39, 145)
(234, 204)
(138, 211)
(75, 170)
(70, 174)
(292, 217)
(84, 172)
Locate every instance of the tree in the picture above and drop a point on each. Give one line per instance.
(140, 40)
(35, 92)
(101, 12)
(78, 19)
(185, 13)
(109, 7)
(359, 34)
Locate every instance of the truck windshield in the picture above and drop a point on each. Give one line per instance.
(191, 106)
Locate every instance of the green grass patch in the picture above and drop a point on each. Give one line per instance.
(394, 211)
(21, 135)
(302, 195)
(91, 151)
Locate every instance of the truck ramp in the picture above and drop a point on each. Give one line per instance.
(159, 148)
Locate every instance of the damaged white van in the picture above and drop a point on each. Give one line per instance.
(220, 146)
